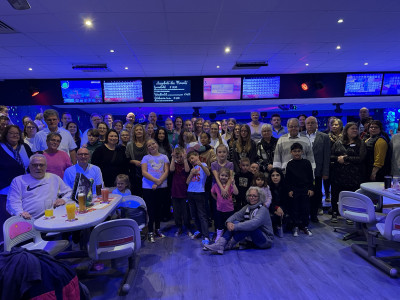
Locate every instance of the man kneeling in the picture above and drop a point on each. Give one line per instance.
(253, 221)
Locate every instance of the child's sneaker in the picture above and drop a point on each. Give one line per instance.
(349, 222)
(334, 218)
(296, 231)
(151, 237)
(159, 234)
(196, 235)
(307, 231)
(179, 232)
(204, 242)
(190, 235)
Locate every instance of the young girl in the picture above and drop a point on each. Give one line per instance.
(122, 185)
(180, 170)
(164, 146)
(155, 168)
(216, 138)
(206, 152)
(222, 155)
(224, 204)
(260, 180)
(187, 141)
(279, 192)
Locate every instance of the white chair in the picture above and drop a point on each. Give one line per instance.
(388, 236)
(360, 209)
(116, 239)
(133, 201)
(377, 200)
(17, 230)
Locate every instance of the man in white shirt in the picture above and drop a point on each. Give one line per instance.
(67, 144)
(31, 194)
(83, 167)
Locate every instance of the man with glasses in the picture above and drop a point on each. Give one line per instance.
(31, 194)
(51, 117)
(95, 119)
(282, 151)
(83, 167)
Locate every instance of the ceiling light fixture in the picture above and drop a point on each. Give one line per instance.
(340, 21)
(338, 47)
(126, 68)
(217, 67)
(30, 69)
(112, 51)
(227, 50)
(307, 65)
(88, 23)
(365, 64)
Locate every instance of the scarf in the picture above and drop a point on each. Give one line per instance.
(17, 157)
(250, 215)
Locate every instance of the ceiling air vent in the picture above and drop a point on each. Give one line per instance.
(92, 68)
(4, 28)
(240, 65)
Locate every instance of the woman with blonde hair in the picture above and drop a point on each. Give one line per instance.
(244, 147)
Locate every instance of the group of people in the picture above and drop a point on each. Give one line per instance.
(250, 179)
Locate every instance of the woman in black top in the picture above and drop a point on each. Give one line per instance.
(266, 148)
(110, 158)
(279, 192)
(347, 157)
(73, 128)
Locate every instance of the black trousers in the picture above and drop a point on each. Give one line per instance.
(316, 200)
(153, 199)
(300, 208)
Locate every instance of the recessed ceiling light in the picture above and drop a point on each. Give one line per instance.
(365, 64)
(338, 47)
(112, 51)
(217, 67)
(227, 49)
(88, 23)
(126, 68)
(340, 21)
(307, 65)
(30, 69)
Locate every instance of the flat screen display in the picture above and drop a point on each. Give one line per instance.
(222, 88)
(171, 91)
(391, 84)
(363, 84)
(261, 87)
(116, 91)
(81, 91)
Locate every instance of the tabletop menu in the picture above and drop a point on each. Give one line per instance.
(172, 90)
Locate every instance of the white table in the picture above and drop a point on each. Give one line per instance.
(377, 188)
(89, 219)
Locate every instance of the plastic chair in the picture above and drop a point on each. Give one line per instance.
(135, 202)
(388, 236)
(377, 200)
(17, 230)
(116, 239)
(360, 209)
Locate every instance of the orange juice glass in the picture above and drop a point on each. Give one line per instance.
(71, 207)
(48, 213)
(104, 194)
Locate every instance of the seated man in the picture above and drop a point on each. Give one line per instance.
(31, 194)
(83, 167)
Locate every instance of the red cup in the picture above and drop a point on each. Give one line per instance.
(104, 194)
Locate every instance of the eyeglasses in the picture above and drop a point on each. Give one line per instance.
(296, 126)
(13, 133)
(252, 196)
(38, 165)
(30, 127)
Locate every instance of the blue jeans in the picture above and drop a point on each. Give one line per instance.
(256, 236)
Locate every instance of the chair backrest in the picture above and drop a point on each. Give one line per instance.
(114, 239)
(392, 225)
(17, 230)
(356, 207)
(374, 197)
(135, 198)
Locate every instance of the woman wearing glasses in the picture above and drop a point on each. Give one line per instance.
(30, 131)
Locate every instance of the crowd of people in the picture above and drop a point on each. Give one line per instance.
(251, 180)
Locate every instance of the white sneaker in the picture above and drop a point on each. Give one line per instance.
(320, 211)
(296, 231)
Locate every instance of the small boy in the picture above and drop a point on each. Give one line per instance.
(300, 182)
(243, 180)
(180, 169)
(197, 196)
(93, 141)
(254, 168)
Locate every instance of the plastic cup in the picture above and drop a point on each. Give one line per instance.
(82, 202)
(388, 182)
(104, 194)
(71, 207)
(48, 213)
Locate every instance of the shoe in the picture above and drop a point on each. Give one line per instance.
(314, 219)
(190, 235)
(196, 235)
(349, 222)
(307, 231)
(217, 247)
(206, 241)
(320, 211)
(159, 234)
(334, 218)
(179, 232)
(296, 231)
(327, 199)
(219, 234)
(151, 237)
